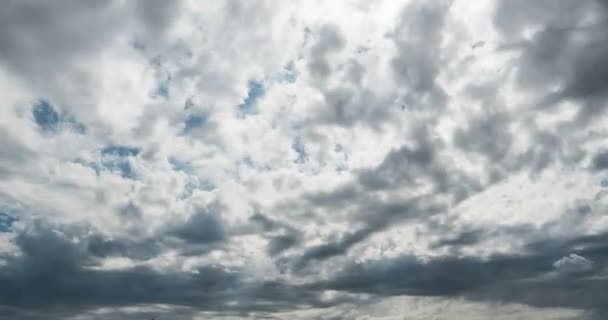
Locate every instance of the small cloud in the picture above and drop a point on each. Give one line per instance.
(203, 227)
(573, 263)
(478, 44)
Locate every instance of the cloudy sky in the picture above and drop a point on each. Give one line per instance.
(306, 159)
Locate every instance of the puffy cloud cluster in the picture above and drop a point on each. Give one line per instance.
(304, 159)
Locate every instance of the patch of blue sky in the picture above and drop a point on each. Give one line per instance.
(249, 105)
(197, 184)
(179, 165)
(288, 74)
(120, 150)
(6, 222)
(117, 158)
(300, 150)
(604, 183)
(162, 88)
(194, 121)
(46, 117)
(114, 158)
(50, 120)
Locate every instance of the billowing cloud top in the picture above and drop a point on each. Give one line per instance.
(348, 159)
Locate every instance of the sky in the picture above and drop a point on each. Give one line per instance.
(304, 159)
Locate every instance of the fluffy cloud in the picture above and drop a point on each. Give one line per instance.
(302, 160)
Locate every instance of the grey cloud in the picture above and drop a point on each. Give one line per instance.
(102, 247)
(347, 106)
(537, 278)
(329, 40)
(35, 37)
(412, 165)
(50, 46)
(200, 232)
(488, 135)
(332, 249)
(55, 271)
(415, 68)
(444, 276)
(14, 154)
(461, 239)
(417, 64)
(566, 52)
(280, 236)
(203, 227)
(600, 161)
(280, 243)
(375, 215)
(52, 269)
(157, 16)
(359, 202)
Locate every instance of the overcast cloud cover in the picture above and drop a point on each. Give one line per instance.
(356, 159)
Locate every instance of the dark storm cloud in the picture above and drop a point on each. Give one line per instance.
(444, 276)
(533, 278)
(44, 280)
(556, 268)
(54, 269)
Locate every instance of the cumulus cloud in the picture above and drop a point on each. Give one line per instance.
(301, 160)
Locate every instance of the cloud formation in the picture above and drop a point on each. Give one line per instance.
(303, 160)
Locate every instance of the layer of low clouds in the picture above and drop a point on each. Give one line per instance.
(303, 160)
